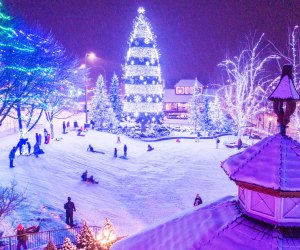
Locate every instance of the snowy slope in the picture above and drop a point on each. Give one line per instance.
(133, 193)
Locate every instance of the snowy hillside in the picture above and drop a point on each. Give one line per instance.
(133, 193)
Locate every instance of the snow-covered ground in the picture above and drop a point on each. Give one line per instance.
(133, 193)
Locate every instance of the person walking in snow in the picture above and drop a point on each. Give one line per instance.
(64, 127)
(37, 137)
(118, 140)
(70, 208)
(68, 125)
(45, 135)
(11, 157)
(239, 144)
(217, 142)
(21, 237)
(40, 139)
(198, 200)
(116, 153)
(125, 150)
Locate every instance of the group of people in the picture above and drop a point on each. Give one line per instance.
(91, 179)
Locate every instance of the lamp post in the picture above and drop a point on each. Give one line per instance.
(91, 56)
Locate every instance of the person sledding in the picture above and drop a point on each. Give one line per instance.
(37, 150)
(150, 148)
(88, 179)
(91, 149)
(79, 132)
(92, 180)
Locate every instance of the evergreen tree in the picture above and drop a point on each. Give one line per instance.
(206, 123)
(50, 246)
(216, 114)
(107, 235)
(114, 97)
(143, 85)
(194, 111)
(102, 113)
(86, 239)
(68, 245)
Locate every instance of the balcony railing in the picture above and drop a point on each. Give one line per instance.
(37, 240)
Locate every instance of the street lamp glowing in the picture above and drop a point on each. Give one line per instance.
(91, 56)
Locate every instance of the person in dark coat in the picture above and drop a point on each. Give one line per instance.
(36, 150)
(84, 175)
(198, 200)
(76, 124)
(64, 127)
(217, 142)
(118, 140)
(70, 208)
(90, 148)
(20, 144)
(125, 150)
(21, 237)
(11, 157)
(29, 147)
(239, 144)
(150, 148)
(40, 139)
(116, 153)
(93, 124)
(37, 137)
(68, 125)
(45, 135)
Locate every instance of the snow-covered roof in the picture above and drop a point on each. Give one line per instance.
(273, 163)
(285, 90)
(187, 83)
(220, 225)
(170, 96)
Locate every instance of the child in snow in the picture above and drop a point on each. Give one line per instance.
(92, 180)
(90, 148)
(11, 157)
(217, 142)
(115, 152)
(198, 200)
(84, 175)
(118, 140)
(125, 150)
(150, 148)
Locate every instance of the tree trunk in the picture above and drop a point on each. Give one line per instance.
(51, 130)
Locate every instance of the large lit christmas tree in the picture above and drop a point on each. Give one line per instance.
(143, 85)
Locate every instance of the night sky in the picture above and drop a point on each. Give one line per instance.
(193, 35)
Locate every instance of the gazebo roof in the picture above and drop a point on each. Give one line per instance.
(220, 225)
(272, 163)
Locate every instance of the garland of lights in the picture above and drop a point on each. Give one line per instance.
(144, 89)
(142, 70)
(143, 52)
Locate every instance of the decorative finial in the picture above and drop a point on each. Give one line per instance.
(285, 92)
(141, 10)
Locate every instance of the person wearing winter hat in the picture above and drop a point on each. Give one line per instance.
(21, 237)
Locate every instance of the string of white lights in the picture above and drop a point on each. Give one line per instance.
(144, 89)
(142, 107)
(141, 52)
(142, 70)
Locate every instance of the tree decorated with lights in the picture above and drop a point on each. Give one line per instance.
(194, 107)
(248, 83)
(216, 114)
(86, 239)
(68, 245)
(115, 97)
(102, 113)
(205, 121)
(107, 235)
(143, 85)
